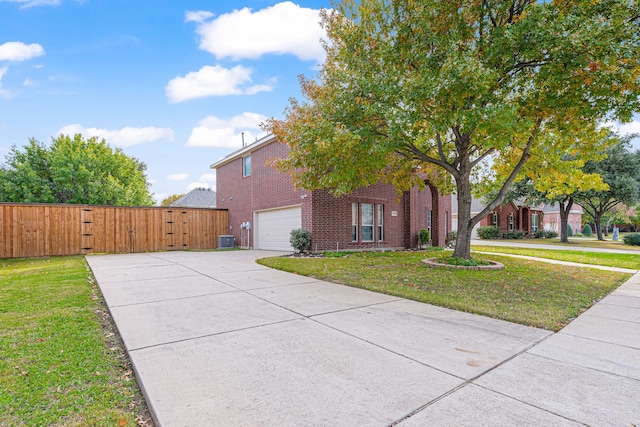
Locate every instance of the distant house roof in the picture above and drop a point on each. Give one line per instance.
(197, 198)
(476, 205)
(553, 208)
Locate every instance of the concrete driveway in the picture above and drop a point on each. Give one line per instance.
(216, 339)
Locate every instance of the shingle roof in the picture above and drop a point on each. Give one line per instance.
(197, 198)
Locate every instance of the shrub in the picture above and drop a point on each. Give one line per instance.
(515, 234)
(631, 239)
(550, 234)
(586, 230)
(300, 239)
(540, 234)
(452, 236)
(569, 231)
(489, 232)
(424, 236)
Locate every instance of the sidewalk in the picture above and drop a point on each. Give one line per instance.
(216, 339)
(518, 244)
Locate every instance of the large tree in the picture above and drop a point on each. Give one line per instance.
(446, 90)
(73, 170)
(620, 169)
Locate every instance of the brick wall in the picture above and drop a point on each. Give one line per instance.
(327, 217)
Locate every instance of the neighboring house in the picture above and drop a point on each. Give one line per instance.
(264, 207)
(552, 218)
(197, 198)
(511, 216)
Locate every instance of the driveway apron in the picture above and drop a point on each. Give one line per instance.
(217, 339)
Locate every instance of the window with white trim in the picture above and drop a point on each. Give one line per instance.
(246, 166)
(494, 220)
(534, 222)
(367, 222)
(354, 222)
(511, 222)
(429, 215)
(380, 222)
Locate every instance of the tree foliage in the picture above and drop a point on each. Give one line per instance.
(431, 89)
(73, 170)
(620, 170)
(170, 199)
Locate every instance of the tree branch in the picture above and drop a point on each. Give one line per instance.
(523, 159)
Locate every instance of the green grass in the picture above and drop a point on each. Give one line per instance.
(585, 242)
(527, 292)
(631, 261)
(59, 366)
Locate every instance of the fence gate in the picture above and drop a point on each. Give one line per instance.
(87, 230)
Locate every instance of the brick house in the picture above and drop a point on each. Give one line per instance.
(511, 216)
(552, 218)
(264, 207)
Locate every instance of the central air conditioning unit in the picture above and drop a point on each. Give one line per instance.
(226, 241)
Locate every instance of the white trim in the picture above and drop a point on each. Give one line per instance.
(243, 151)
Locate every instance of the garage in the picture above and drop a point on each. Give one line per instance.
(272, 228)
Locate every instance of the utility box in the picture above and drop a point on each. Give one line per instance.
(226, 241)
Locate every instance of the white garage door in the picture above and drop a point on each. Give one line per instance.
(273, 227)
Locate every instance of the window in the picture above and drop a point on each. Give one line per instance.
(367, 222)
(354, 222)
(429, 215)
(511, 221)
(246, 166)
(494, 220)
(534, 223)
(380, 223)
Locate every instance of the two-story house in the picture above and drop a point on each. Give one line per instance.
(264, 207)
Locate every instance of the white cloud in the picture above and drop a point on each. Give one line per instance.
(197, 16)
(18, 51)
(28, 82)
(216, 132)
(213, 81)
(178, 177)
(195, 185)
(4, 93)
(284, 28)
(208, 177)
(31, 3)
(124, 137)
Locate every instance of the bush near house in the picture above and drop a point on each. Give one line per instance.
(489, 232)
(586, 230)
(424, 236)
(632, 239)
(514, 234)
(300, 239)
(569, 231)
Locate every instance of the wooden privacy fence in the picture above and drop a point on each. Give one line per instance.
(32, 230)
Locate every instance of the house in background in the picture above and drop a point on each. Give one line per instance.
(197, 198)
(510, 216)
(552, 218)
(264, 207)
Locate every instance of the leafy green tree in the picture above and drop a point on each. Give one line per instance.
(73, 171)
(170, 199)
(431, 89)
(621, 171)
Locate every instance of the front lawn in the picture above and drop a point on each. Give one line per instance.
(631, 261)
(577, 242)
(527, 292)
(61, 363)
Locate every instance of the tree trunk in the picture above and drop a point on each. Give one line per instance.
(465, 226)
(597, 220)
(564, 219)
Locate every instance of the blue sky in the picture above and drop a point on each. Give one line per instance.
(173, 83)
